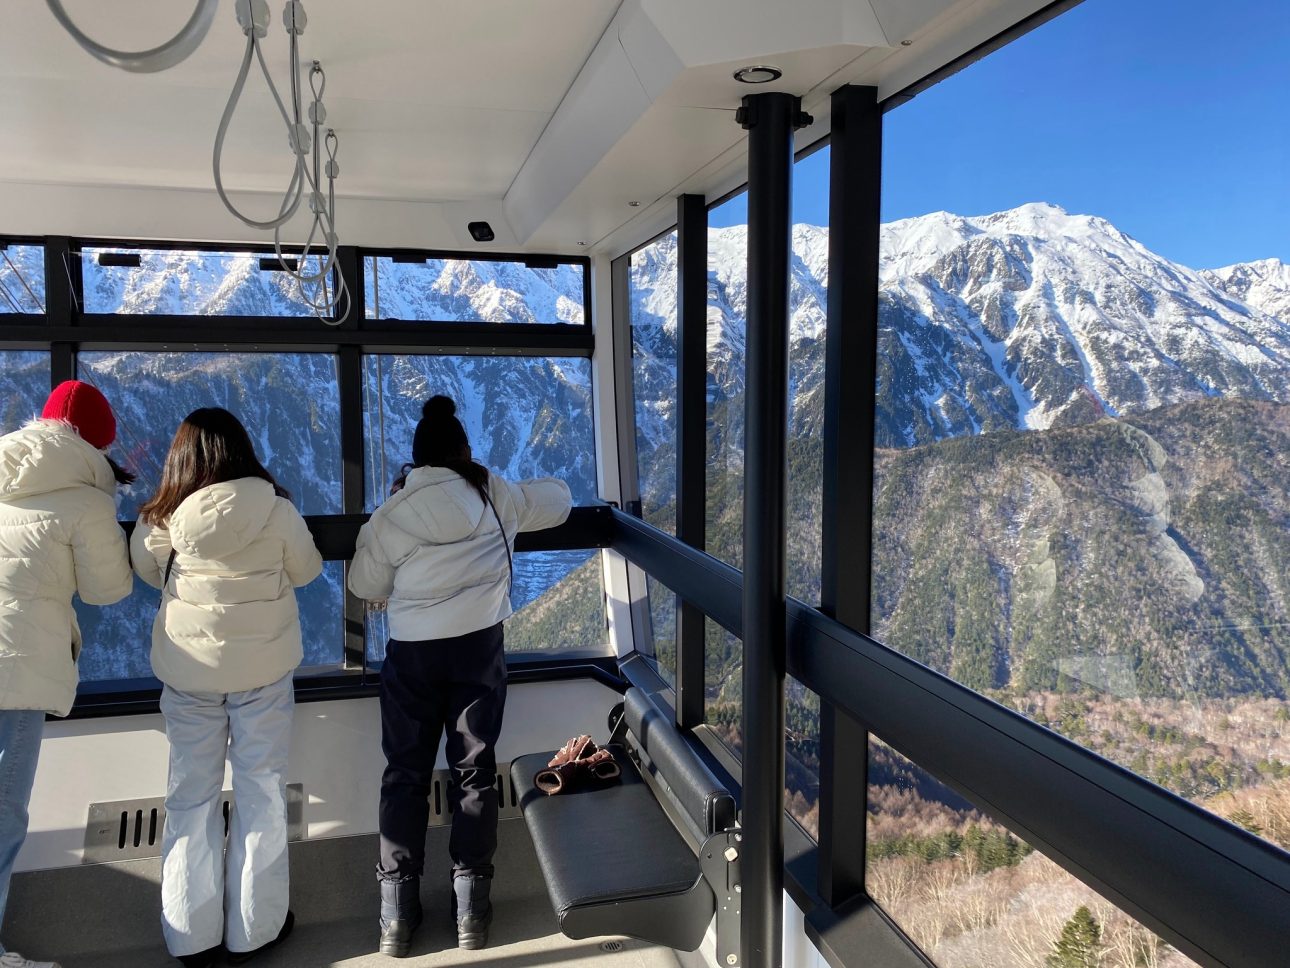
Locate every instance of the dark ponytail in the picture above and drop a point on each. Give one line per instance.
(440, 441)
(122, 476)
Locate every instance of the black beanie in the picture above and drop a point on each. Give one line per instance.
(440, 438)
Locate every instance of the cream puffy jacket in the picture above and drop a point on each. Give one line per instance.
(228, 620)
(435, 551)
(58, 536)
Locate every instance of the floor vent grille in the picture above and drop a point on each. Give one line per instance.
(508, 801)
(130, 829)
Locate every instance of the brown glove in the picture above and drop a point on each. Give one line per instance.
(600, 765)
(578, 761)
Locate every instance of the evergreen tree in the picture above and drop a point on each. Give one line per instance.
(1079, 944)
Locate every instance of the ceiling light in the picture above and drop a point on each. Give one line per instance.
(583, 242)
(758, 74)
(634, 204)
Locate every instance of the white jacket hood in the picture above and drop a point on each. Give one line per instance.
(455, 514)
(222, 519)
(228, 620)
(436, 551)
(49, 455)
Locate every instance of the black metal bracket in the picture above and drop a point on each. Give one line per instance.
(746, 115)
(720, 862)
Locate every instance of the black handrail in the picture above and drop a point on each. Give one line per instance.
(1216, 892)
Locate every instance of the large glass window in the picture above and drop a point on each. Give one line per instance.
(652, 282)
(289, 403)
(727, 307)
(474, 290)
(22, 278)
(24, 385)
(525, 417)
(1081, 507)
(177, 282)
(727, 328)
(972, 894)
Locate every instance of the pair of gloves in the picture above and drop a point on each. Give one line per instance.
(577, 762)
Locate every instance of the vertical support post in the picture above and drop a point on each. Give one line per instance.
(62, 303)
(349, 373)
(691, 434)
(349, 377)
(770, 120)
(854, 199)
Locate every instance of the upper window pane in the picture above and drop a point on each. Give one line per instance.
(24, 385)
(22, 278)
(473, 291)
(525, 416)
(1082, 508)
(288, 402)
(175, 282)
(652, 286)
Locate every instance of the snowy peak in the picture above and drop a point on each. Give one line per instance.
(1264, 285)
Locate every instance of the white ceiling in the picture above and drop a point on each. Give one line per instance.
(546, 117)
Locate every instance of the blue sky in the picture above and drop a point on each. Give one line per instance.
(1170, 118)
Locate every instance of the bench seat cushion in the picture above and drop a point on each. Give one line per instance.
(608, 854)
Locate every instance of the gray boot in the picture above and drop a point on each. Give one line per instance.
(473, 910)
(400, 915)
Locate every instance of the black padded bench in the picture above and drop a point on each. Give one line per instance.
(652, 856)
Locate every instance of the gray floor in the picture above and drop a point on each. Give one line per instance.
(108, 915)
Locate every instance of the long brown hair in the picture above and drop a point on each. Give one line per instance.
(211, 446)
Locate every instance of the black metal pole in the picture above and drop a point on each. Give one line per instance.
(770, 120)
(691, 437)
(855, 173)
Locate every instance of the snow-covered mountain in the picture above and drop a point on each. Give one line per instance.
(1264, 285)
(1030, 318)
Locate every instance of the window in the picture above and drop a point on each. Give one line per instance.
(22, 278)
(1080, 510)
(727, 327)
(178, 282)
(653, 297)
(727, 307)
(289, 404)
(525, 417)
(652, 287)
(971, 893)
(24, 385)
(559, 603)
(467, 291)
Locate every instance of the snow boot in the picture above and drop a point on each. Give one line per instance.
(400, 915)
(473, 910)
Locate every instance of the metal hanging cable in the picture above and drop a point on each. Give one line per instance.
(167, 55)
(306, 140)
(40, 306)
(8, 297)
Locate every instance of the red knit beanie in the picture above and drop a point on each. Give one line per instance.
(86, 409)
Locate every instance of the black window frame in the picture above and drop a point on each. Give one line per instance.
(64, 330)
(1216, 892)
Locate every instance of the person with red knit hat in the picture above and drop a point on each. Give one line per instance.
(59, 537)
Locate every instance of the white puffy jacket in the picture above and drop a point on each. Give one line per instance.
(228, 620)
(434, 550)
(58, 536)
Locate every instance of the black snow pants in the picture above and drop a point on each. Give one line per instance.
(457, 686)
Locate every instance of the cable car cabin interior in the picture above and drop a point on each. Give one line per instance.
(920, 381)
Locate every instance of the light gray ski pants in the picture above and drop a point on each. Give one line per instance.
(201, 904)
